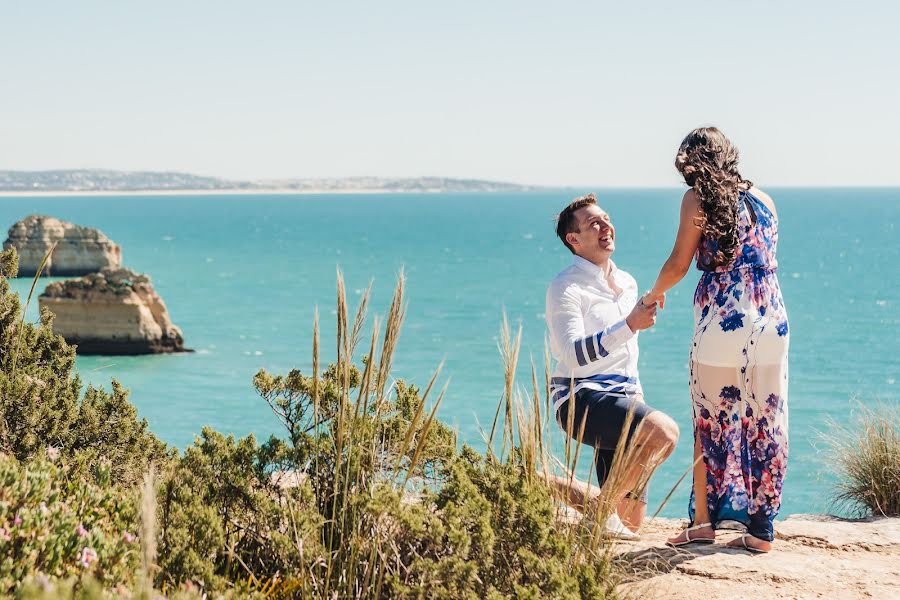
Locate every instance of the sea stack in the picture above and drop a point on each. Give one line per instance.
(115, 311)
(79, 250)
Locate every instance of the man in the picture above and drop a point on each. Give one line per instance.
(593, 314)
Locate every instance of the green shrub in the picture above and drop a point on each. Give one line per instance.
(58, 527)
(41, 405)
(222, 519)
(366, 496)
(866, 456)
(491, 531)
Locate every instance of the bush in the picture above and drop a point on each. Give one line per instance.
(490, 532)
(41, 407)
(58, 527)
(867, 460)
(365, 496)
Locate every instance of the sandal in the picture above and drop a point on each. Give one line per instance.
(697, 540)
(744, 545)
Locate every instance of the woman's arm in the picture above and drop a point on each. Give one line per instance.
(689, 230)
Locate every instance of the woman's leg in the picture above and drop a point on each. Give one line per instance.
(717, 411)
(701, 507)
(701, 510)
(767, 451)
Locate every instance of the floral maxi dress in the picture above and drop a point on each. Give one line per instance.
(739, 375)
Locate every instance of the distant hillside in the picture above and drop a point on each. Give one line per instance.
(89, 180)
(98, 180)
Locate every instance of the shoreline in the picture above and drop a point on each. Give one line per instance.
(371, 191)
(240, 192)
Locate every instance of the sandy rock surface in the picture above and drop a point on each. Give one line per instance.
(813, 557)
(79, 250)
(115, 311)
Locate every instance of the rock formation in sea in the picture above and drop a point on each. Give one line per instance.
(115, 311)
(79, 250)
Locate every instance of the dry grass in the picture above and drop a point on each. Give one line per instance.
(350, 571)
(148, 533)
(866, 456)
(21, 326)
(526, 418)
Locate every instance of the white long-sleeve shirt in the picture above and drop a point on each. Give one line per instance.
(589, 337)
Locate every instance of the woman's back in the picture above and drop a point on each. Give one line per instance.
(757, 237)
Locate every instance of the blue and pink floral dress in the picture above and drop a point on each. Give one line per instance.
(739, 375)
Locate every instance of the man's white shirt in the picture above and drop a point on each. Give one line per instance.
(589, 337)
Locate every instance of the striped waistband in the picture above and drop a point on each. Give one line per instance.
(615, 385)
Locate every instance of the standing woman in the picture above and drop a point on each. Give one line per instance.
(738, 364)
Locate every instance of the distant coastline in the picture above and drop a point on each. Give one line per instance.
(99, 182)
(91, 182)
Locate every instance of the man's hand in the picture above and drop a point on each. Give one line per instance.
(642, 316)
(653, 297)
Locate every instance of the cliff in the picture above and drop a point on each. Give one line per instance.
(115, 311)
(79, 250)
(813, 557)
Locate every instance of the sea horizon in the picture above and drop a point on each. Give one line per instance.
(375, 192)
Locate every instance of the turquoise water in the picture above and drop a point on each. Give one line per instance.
(242, 276)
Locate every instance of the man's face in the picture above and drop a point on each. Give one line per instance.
(595, 239)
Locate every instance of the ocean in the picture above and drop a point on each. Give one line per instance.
(243, 274)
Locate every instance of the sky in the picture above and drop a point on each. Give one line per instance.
(558, 94)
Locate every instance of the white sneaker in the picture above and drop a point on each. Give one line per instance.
(614, 528)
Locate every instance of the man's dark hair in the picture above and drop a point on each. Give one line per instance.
(565, 222)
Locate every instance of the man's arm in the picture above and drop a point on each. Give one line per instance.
(579, 347)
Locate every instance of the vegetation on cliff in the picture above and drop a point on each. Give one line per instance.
(866, 456)
(366, 494)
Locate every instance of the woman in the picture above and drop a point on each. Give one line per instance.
(738, 365)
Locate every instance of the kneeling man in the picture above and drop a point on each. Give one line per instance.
(594, 314)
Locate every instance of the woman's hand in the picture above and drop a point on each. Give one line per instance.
(654, 297)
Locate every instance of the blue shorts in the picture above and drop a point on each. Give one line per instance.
(604, 424)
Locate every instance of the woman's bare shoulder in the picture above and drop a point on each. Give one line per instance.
(765, 199)
(690, 199)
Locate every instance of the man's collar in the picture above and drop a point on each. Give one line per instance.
(591, 268)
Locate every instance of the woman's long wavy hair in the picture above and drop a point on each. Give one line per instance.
(708, 162)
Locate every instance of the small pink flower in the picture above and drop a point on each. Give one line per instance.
(52, 453)
(44, 583)
(4, 535)
(81, 531)
(17, 521)
(128, 537)
(88, 556)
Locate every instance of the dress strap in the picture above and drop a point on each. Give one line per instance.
(745, 196)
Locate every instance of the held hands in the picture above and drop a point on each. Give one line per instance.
(642, 316)
(654, 297)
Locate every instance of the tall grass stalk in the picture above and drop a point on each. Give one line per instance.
(509, 350)
(533, 452)
(423, 436)
(148, 531)
(349, 569)
(414, 424)
(20, 330)
(396, 315)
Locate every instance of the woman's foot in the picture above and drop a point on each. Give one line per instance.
(703, 534)
(751, 543)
